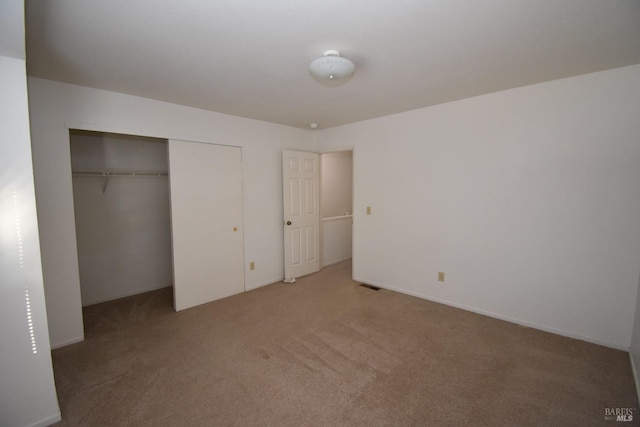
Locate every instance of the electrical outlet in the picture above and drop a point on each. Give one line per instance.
(440, 276)
(252, 265)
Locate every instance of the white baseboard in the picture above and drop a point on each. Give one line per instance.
(497, 316)
(47, 421)
(125, 294)
(336, 262)
(67, 342)
(261, 284)
(635, 377)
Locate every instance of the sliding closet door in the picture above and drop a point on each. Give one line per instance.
(206, 220)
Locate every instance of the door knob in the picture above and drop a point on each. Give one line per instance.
(288, 222)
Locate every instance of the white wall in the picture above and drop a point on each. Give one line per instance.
(337, 183)
(336, 239)
(27, 390)
(123, 224)
(527, 199)
(12, 29)
(55, 107)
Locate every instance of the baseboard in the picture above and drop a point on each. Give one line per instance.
(635, 377)
(47, 421)
(497, 316)
(335, 262)
(261, 284)
(67, 342)
(126, 294)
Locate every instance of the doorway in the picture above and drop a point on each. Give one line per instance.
(317, 205)
(122, 213)
(336, 209)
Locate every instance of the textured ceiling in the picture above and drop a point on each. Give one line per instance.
(250, 58)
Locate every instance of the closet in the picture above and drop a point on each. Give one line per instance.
(151, 213)
(122, 213)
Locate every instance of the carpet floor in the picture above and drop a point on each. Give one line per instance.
(328, 352)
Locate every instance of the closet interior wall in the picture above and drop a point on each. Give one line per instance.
(122, 214)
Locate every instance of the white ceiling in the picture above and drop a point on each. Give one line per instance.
(250, 58)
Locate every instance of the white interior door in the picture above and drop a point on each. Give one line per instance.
(206, 222)
(300, 178)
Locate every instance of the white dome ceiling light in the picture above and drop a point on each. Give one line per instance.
(331, 66)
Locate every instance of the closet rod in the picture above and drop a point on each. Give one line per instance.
(107, 174)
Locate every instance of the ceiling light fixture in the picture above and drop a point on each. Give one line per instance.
(331, 66)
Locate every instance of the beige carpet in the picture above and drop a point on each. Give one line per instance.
(327, 352)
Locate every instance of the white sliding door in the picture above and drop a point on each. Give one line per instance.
(206, 220)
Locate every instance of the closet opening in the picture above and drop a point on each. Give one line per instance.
(122, 215)
(336, 207)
